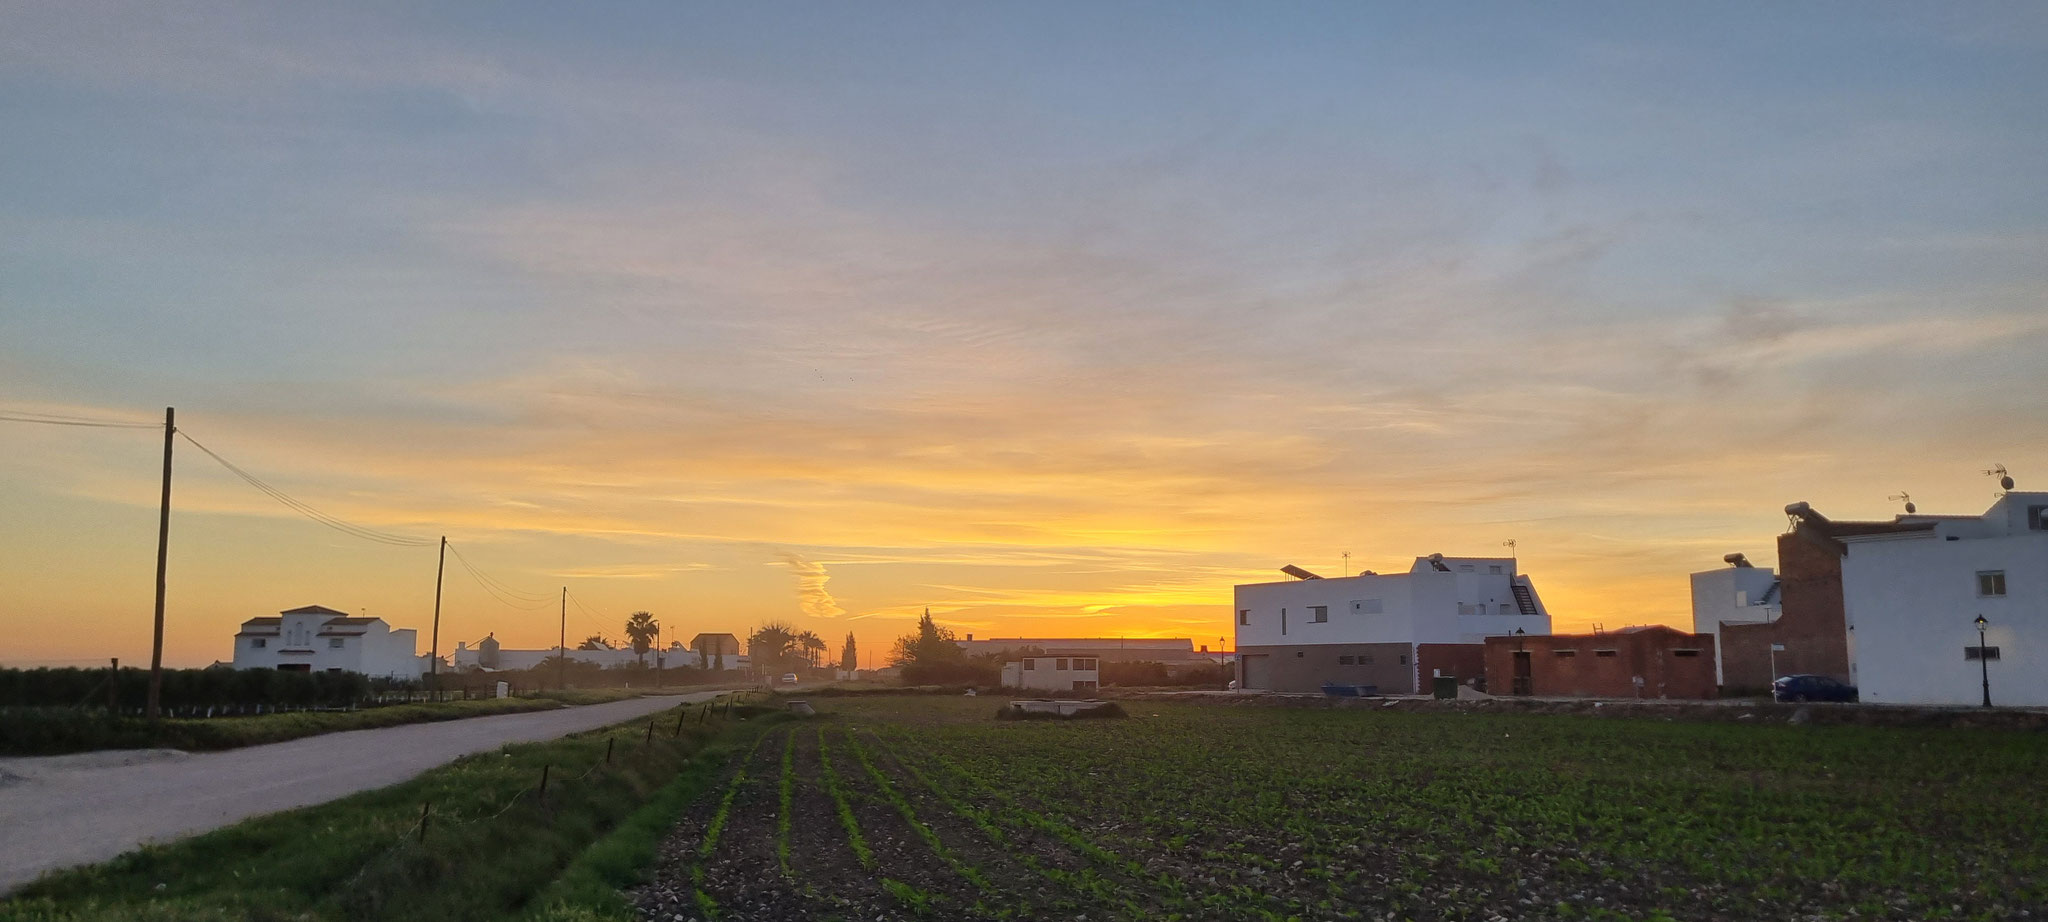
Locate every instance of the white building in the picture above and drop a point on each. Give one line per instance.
(1385, 631)
(490, 656)
(1739, 593)
(1053, 673)
(1911, 597)
(319, 639)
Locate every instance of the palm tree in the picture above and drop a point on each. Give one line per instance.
(641, 627)
(770, 646)
(813, 646)
(594, 642)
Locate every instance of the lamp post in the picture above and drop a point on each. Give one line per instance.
(1984, 658)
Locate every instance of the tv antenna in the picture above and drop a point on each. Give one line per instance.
(1347, 563)
(2004, 477)
(1906, 498)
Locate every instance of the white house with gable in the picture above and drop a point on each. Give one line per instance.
(1912, 597)
(319, 639)
(1391, 632)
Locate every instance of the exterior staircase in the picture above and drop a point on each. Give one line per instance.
(1525, 599)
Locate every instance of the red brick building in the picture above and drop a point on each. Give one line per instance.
(1671, 664)
(1811, 632)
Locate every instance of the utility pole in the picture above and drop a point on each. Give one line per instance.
(562, 646)
(163, 539)
(434, 645)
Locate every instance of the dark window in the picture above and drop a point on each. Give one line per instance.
(1974, 654)
(1404, 659)
(1060, 665)
(1319, 614)
(1495, 568)
(334, 669)
(334, 643)
(1030, 665)
(1365, 660)
(1603, 652)
(1566, 652)
(258, 642)
(1244, 617)
(2037, 518)
(1346, 660)
(1084, 664)
(1991, 582)
(1685, 653)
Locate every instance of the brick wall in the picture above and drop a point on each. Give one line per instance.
(1811, 624)
(1672, 664)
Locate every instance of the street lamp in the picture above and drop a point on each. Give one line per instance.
(1984, 658)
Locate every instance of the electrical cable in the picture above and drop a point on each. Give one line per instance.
(338, 524)
(55, 419)
(498, 590)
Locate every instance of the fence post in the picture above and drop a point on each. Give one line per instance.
(424, 807)
(608, 748)
(113, 687)
(543, 795)
(682, 714)
(650, 733)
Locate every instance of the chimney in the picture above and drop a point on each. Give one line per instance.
(970, 637)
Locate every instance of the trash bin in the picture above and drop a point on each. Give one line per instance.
(1446, 686)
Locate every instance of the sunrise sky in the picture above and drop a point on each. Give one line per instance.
(1057, 318)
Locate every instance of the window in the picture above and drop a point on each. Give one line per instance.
(333, 643)
(1467, 568)
(1565, 652)
(1990, 582)
(1030, 665)
(1084, 664)
(1603, 652)
(1060, 664)
(1973, 654)
(334, 669)
(259, 642)
(1365, 660)
(1368, 607)
(1465, 608)
(1244, 617)
(1506, 609)
(1347, 661)
(1319, 614)
(1494, 569)
(1404, 659)
(2037, 518)
(1685, 653)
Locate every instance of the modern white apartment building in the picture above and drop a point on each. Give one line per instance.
(1740, 593)
(320, 639)
(1912, 596)
(1391, 631)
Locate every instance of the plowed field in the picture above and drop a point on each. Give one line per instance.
(920, 806)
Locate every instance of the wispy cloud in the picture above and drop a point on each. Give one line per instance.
(811, 596)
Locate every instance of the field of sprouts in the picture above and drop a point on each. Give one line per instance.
(924, 806)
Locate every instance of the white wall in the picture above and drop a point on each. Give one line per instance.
(1420, 606)
(1730, 595)
(1045, 676)
(1910, 602)
(377, 651)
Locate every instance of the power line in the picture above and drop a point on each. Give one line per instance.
(499, 590)
(338, 524)
(55, 419)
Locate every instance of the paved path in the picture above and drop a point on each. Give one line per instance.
(69, 810)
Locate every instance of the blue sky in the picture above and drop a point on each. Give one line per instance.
(1008, 308)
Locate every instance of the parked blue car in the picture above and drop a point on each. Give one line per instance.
(1812, 688)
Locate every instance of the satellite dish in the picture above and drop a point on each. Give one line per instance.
(2004, 479)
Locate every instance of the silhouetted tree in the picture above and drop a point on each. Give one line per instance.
(641, 627)
(594, 642)
(848, 659)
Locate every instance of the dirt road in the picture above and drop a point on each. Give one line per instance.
(70, 810)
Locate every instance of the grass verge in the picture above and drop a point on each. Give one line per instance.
(493, 844)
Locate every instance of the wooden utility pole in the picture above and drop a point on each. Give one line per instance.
(434, 645)
(114, 687)
(163, 541)
(562, 646)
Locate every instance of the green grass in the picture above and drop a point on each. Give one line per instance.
(50, 732)
(493, 848)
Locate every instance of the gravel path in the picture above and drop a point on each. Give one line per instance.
(62, 811)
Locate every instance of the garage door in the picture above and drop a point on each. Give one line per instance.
(1258, 671)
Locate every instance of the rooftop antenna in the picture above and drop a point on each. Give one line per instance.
(1347, 563)
(1513, 554)
(1907, 498)
(2004, 478)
